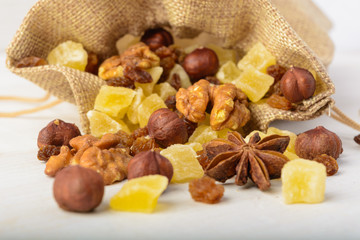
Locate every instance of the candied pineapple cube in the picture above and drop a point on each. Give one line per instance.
(254, 83)
(147, 107)
(140, 194)
(184, 161)
(184, 77)
(125, 42)
(223, 133)
(100, 124)
(196, 146)
(132, 112)
(303, 181)
(70, 54)
(155, 73)
(203, 134)
(114, 101)
(224, 55)
(291, 146)
(259, 57)
(290, 155)
(228, 72)
(164, 90)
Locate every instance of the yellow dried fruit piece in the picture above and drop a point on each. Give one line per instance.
(184, 77)
(70, 54)
(114, 101)
(203, 134)
(164, 90)
(290, 155)
(140, 194)
(155, 73)
(228, 72)
(196, 146)
(254, 83)
(125, 42)
(303, 181)
(223, 133)
(100, 124)
(224, 55)
(132, 112)
(147, 107)
(184, 161)
(259, 57)
(291, 146)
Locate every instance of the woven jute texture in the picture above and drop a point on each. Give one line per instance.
(294, 31)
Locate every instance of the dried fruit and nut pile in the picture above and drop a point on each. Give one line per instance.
(174, 115)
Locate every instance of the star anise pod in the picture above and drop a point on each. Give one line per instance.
(259, 159)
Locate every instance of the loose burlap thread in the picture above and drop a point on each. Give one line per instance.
(295, 32)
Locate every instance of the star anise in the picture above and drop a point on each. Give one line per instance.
(259, 159)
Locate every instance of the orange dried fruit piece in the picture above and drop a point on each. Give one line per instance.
(100, 124)
(155, 73)
(114, 101)
(303, 181)
(259, 57)
(184, 77)
(70, 54)
(254, 83)
(203, 134)
(228, 72)
(140, 194)
(147, 107)
(184, 161)
(164, 90)
(224, 55)
(132, 112)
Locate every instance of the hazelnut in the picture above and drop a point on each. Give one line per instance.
(167, 128)
(78, 189)
(57, 133)
(156, 38)
(200, 63)
(297, 84)
(149, 163)
(315, 142)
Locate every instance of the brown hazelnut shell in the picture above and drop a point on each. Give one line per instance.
(297, 84)
(78, 189)
(57, 133)
(156, 38)
(318, 141)
(149, 163)
(167, 128)
(200, 63)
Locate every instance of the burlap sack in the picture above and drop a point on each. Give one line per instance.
(294, 31)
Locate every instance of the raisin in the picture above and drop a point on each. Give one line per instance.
(126, 139)
(206, 190)
(31, 61)
(143, 144)
(357, 139)
(136, 74)
(168, 59)
(140, 132)
(120, 82)
(213, 80)
(279, 102)
(47, 151)
(170, 102)
(175, 81)
(330, 163)
(276, 71)
(92, 64)
(203, 158)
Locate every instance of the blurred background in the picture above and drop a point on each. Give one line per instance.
(344, 15)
